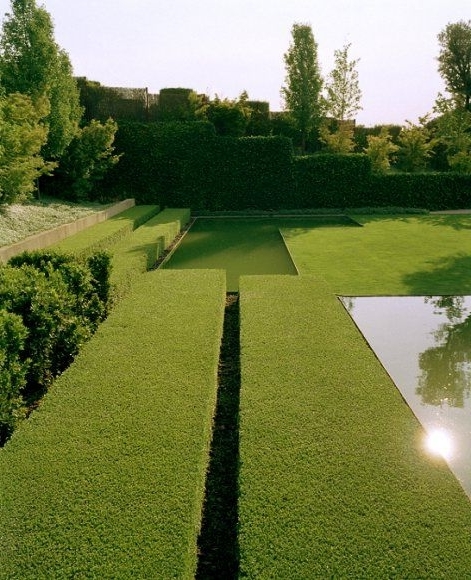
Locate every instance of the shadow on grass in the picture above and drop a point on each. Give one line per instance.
(218, 550)
(451, 275)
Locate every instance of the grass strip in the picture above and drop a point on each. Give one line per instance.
(140, 251)
(106, 479)
(334, 481)
(104, 235)
(409, 255)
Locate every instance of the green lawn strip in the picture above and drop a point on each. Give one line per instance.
(334, 482)
(139, 252)
(428, 254)
(106, 479)
(104, 235)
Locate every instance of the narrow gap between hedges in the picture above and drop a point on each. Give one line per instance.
(218, 554)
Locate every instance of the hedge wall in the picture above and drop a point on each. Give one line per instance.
(327, 180)
(186, 165)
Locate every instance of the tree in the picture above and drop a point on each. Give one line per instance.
(343, 94)
(302, 92)
(338, 136)
(415, 146)
(87, 159)
(33, 64)
(229, 117)
(453, 131)
(22, 134)
(455, 60)
(379, 150)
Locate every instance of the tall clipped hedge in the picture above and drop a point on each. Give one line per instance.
(153, 157)
(328, 180)
(186, 165)
(243, 173)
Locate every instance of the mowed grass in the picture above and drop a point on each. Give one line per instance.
(426, 254)
(106, 479)
(334, 480)
(104, 235)
(241, 246)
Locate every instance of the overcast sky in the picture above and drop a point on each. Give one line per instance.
(227, 46)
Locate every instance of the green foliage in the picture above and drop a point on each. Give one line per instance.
(343, 89)
(22, 134)
(380, 150)
(338, 137)
(229, 117)
(12, 372)
(32, 63)
(302, 91)
(455, 60)
(115, 460)
(86, 160)
(177, 104)
(453, 131)
(415, 146)
(61, 300)
(259, 123)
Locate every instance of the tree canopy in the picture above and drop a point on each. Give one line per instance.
(454, 60)
(32, 63)
(343, 93)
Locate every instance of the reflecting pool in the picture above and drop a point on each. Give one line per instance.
(424, 343)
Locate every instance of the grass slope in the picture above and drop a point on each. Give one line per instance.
(334, 482)
(429, 254)
(102, 236)
(106, 479)
(139, 252)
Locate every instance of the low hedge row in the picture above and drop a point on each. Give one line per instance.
(333, 481)
(58, 301)
(140, 251)
(104, 235)
(106, 479)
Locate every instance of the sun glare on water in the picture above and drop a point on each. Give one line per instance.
(439, 442)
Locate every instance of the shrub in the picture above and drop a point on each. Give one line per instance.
(12, 372)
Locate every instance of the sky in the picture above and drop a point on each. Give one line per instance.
(225, 47)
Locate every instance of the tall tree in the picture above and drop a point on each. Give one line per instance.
(454, 61)
(302, 92)
(22, 135)
(343, 93)
(33, 64)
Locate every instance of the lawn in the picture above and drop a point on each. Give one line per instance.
(242, 246)
(334, 479)
(396, 255)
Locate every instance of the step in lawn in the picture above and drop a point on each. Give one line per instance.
(140, 251)
(334, 481)
(102, 236)
(106, 479)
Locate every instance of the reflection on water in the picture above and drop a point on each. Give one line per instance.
(425, 345)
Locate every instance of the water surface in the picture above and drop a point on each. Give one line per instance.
(424, 343)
